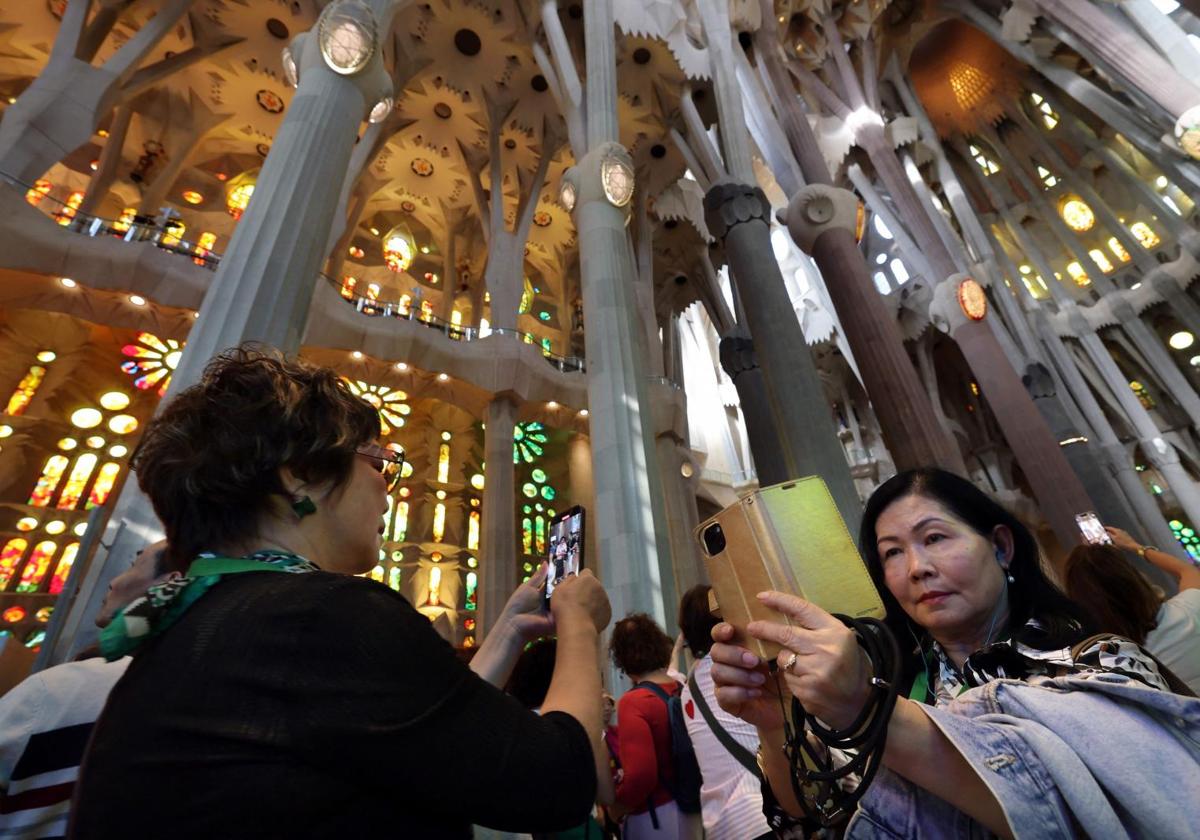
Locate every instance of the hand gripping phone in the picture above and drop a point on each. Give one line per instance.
(791, 538)
(1092, 528)
(566, 548)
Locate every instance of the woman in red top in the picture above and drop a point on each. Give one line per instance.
(642, 651)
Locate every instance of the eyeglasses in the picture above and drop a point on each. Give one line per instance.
(389, 462)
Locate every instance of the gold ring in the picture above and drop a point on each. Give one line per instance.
(791, 661)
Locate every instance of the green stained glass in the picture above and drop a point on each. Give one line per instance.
(529, 442)
(540, 533)
(538, 475)
(529, 489)
(472, 582)
(548, 493)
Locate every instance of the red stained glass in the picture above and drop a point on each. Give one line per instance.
(37, 566)
(63, 568)
(52, 473)
(27, 387)
(80, 473)
(105, 480)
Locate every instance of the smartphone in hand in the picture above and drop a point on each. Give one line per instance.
(566, 548)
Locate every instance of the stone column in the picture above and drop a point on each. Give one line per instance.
(1163, 32)
(583, 493)
(498, 532)
(264, 285)
(624, 518)
(1138, 62)
(110, 159)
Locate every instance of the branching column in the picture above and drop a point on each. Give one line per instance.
(265, 282)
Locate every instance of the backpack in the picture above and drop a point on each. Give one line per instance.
(685, 790)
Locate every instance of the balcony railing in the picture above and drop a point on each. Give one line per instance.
(145, 229)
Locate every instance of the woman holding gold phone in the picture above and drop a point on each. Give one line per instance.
(1012, 718)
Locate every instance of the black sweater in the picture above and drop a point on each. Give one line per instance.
(320, 705)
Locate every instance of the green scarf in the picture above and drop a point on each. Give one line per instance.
(164, 603)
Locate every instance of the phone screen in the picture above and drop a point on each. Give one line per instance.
(566, 548)
(1092, 529)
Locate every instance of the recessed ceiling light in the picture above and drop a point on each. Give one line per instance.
(583, 412)
(1182, 340)
(401, 366)
(356, 354)
(137, 300)
(68, 283)
(552, 404)
(442, 377)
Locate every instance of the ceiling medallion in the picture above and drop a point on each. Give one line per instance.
(422, 167)
(269, 101)
(972, 299)
(263, 149)
(542, 218)
(407, 206)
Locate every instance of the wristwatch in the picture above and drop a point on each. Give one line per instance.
(1141, 552)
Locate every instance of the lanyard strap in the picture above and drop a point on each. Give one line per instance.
(204, 566)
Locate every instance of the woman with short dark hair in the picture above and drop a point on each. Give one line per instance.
(274, 693)
(641, 649)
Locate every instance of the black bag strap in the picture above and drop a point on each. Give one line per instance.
(666, 698)
(731, 746)
(657, 689)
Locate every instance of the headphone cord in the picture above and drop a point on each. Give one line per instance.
(816, 783)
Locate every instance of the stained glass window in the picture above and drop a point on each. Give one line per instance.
(1145, 235)
(1049, 118)
(40, 189)
(1077, 214)
(439, 522)
(10, 556)
(473, 530)
(67, 213)
(105, 480)
(80, 473)
(394, 578)
(37, 566)
(529, 442)
(1078, 274)
(989, 166)
(1143, 395)
(152, 360)
(527, 535)
(1187, 538)
(26, 388)
(1047, 177)
(539, 532)
(1118, 249)
(47, 483)
(63, 568)
(400, 529)
(389, 402)
(472, 583)
(435, 586)
(1101, 260)
(377, 574)
(546, 347)
(443, 471)
(125, 221)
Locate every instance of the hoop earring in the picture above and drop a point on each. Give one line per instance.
(303, 507)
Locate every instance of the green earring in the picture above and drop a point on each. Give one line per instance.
(304, 507)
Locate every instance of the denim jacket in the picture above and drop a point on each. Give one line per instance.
(1096, 755)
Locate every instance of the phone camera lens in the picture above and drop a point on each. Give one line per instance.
(714, 540)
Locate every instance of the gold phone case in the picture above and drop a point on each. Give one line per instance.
(791, 538)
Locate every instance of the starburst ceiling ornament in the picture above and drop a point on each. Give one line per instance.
(152, 360)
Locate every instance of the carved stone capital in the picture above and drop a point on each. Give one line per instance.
(817, 208)
(727, 205)
(736, 351)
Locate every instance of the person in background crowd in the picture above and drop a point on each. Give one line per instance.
(641, 649)
(1013, 717)
(730, 797)
(1121, 601)
(45, 722)
(274, 692)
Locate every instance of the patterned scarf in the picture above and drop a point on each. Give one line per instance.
(1009, 660)
(164, 603)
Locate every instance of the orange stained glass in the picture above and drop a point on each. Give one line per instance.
(105, 479)
(204, 246)
(125, 221)
(473, 530)
(38, 191)
(439, 522)
(52, 473)
(80, 473)
(26, 388)
(435, 586)
(527, 535)
(426, 310)
(405, 304)
(63, 568)
(68, 212)
(348, 284)
(37, 566)
(10, 556)
(443, 473)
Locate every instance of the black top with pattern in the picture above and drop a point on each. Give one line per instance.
(320, 705)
